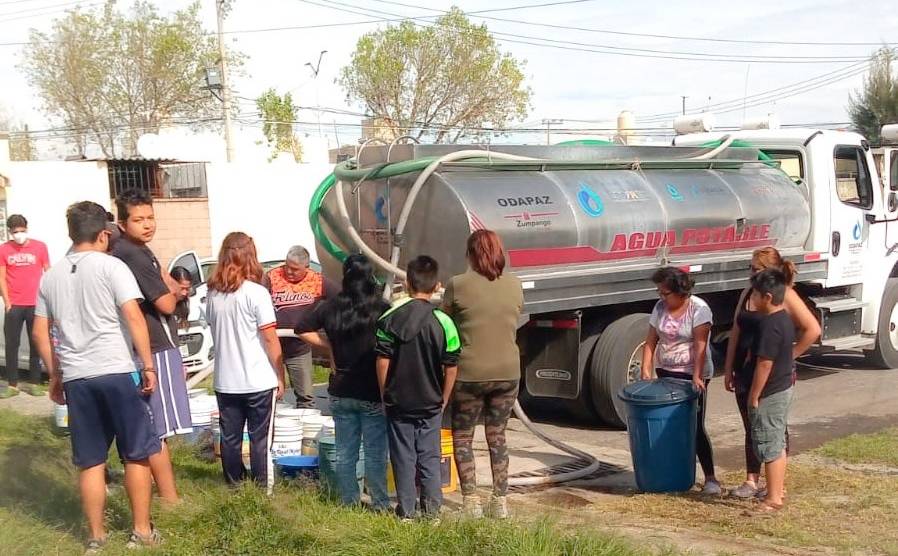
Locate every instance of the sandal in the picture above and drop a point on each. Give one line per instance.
(764, 509)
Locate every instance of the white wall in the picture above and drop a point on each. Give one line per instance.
(42, 191)
(269, 201)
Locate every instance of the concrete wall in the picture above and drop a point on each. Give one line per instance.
(181, 225)
(42, 191)
(270, 202)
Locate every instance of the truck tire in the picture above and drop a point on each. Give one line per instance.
(885, 354)
(615, 362)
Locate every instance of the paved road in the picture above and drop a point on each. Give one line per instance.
(836, 395)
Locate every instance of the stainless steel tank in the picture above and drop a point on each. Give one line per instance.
(615, 212)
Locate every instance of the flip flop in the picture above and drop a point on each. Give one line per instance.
(763, 509)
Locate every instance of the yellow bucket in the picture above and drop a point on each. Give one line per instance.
(448, 471)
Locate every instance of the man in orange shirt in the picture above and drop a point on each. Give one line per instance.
(295, 291)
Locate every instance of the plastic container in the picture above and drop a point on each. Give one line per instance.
(61, 416)
(327, 461)
(292, 467)
(448, 470)
(661, 420)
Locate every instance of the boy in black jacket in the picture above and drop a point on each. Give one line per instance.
(417, 356)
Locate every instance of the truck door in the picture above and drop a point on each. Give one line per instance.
(852, 199)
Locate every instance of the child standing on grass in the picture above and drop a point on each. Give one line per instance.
(771, 390)
(417, 357)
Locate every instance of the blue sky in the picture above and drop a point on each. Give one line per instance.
(566, 84)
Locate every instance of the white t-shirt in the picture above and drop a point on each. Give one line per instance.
(674, 351)
(83, 294)
(241, 364)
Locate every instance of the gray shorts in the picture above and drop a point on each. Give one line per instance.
(768, 425)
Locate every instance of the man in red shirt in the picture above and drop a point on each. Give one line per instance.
(22, 263)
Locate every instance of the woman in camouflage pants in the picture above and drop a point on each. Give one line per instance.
(485, 304)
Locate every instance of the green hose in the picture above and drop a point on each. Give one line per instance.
(315, 221)
(345, 172)
(738, 143)
(584, 143)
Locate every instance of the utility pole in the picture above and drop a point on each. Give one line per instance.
(225, 88)
(549, 123)
(684, 97)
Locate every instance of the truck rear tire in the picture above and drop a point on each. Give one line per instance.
(616, 361)
(885, 354)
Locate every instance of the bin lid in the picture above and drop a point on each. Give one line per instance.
(661, 391)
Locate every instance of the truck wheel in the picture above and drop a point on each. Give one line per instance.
(617, 361)
(885, 354)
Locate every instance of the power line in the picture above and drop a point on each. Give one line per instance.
(40, 8)
(19, 2)
(845, 72)
(611, 49)
(351, 23)
(650, 35)
(54, 11)
(759, 100)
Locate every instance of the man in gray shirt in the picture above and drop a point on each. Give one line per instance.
(92, 299)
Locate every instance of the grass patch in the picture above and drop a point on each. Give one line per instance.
(847, 510)
(878, 448)
(320, 374)
(40, 514)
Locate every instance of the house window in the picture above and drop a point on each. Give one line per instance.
(162, 180)
(853, 183)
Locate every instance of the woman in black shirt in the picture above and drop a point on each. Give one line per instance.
(348, 321)
(744, 335)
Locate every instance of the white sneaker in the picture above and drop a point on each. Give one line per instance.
(472, 506)
(499, 507)
(712, 488)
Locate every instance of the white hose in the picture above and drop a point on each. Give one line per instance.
(391, 266)
(725, 142)
(592, 467)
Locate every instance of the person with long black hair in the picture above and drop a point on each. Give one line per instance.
(185, 285)
(349, 322)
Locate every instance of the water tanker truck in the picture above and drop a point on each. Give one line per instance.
(585, 226)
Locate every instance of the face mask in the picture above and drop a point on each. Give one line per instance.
(20, 237)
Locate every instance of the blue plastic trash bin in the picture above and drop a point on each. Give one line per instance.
(661, 420)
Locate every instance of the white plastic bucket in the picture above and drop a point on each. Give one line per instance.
(61, 416)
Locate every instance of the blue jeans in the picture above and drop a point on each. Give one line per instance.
(358, 421)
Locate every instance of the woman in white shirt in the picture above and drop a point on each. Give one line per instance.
(677, 347)
(249, 366)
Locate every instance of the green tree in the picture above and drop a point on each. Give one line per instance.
(876, 103)
(447, 79)
(279, 113)
(111, 77)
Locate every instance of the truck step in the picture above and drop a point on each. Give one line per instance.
(858, 341)
(836, 304)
